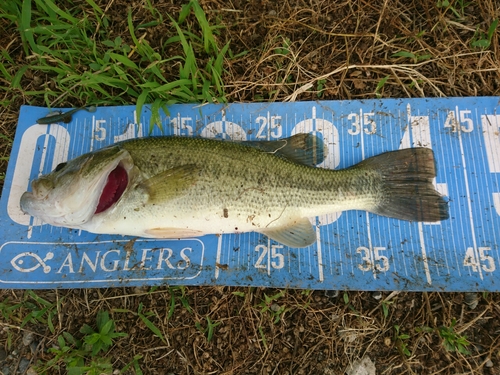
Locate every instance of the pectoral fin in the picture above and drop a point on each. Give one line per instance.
(297, 234)
(171, 183)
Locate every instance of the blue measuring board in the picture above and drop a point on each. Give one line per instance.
(354, 250)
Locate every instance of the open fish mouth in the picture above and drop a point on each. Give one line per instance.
(116, 183)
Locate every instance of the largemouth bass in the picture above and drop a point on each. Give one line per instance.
(177, 187)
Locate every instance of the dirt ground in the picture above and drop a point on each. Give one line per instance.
(340, 50)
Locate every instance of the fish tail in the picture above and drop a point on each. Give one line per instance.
(408, 192)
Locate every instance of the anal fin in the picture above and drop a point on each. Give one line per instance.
(297, 234)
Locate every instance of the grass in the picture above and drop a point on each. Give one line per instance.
(83, 356)
(209, 330)
(401, 340)
(148, 323)
(483, 40)
(451, 340)
(270, 306)
(91, 67)
(118, 52)
(41, 310)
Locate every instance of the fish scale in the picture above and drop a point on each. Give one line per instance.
(262, 182)
(305, 185)
(196, 187)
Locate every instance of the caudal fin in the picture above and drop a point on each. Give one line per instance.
(408, 190)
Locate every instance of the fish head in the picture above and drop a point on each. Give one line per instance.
(77, 190)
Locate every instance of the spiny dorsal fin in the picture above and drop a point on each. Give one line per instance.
(297, 234)
(170, 183)
(303, 148)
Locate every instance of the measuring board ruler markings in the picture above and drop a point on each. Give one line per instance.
(354, 249)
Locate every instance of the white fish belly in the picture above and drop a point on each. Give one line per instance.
(178, 222)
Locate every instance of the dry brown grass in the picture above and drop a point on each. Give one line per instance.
(351, 47)
(334, 50)
(315, 334)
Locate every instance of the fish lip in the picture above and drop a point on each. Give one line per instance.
(32, 205)
(24, 201)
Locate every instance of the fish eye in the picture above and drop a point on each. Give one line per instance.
(60, 166)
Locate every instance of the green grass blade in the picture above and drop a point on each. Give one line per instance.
(124, 60)
(141, 100)
(59, 11)
(151, 326)
(94, 6)
(185, 10)
(39, 299)
(25, 28)
(492, 29)
(155, 115)
(218, 69)
(131, 28)
(172, 85)
(189, 67)
(209, 43)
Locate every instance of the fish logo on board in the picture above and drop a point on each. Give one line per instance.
(19, 262)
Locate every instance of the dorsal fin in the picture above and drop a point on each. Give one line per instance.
(303, 148)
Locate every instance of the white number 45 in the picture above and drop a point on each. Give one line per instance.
(486, 262)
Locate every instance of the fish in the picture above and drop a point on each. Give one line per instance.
(59, 116)
(183, 187)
